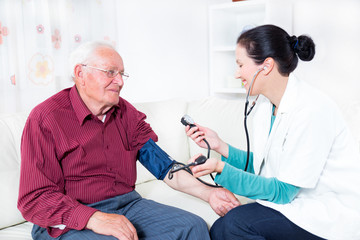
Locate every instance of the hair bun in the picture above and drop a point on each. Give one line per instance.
(304, 47)
(293, 40)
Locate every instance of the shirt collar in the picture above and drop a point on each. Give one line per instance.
(78, 105)
(81, 110)
(290, 95)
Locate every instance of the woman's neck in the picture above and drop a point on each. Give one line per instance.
(276, 89)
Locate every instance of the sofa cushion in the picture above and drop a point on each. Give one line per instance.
(18, 232)
(11, 127)
(164, 117)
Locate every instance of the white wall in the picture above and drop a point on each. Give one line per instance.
(165, 45)
(335, 28)
(165, 48)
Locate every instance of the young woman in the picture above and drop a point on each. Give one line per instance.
(304, 167)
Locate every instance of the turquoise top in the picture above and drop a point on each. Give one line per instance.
(247, 184)
(272, 119)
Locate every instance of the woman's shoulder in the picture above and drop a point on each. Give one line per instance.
(312, 99)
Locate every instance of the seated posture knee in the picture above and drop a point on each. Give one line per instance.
(234, 224)
(196, 228)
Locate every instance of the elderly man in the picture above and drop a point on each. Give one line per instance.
(78, 169)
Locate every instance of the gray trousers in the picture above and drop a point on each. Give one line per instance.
(152, 221)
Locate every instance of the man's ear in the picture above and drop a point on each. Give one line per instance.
(79, 74)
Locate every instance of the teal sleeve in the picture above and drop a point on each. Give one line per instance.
(256, 187)
(237, 158)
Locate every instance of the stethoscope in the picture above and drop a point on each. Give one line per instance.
(187, 120)
(247, 113)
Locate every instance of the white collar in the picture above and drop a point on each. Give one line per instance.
(290, 95)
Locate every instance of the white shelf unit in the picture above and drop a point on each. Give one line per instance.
(226, 22)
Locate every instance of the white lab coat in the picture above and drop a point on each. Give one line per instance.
(311, 147)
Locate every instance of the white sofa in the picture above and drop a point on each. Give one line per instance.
(225, 116)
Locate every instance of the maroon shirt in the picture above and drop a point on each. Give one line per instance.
(70, 158)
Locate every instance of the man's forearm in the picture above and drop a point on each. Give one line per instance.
(221, 200)
(185, 182)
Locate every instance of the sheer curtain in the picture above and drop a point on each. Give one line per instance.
(36, 38)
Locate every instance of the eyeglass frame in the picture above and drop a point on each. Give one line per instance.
(123, 75)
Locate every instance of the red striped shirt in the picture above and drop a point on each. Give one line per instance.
(70, 158)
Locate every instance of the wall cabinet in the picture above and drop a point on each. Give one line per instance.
(226, 22)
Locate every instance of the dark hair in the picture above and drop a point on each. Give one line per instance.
(271, 41)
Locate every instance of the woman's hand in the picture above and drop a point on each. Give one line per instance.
(211, 165)
(199, 133)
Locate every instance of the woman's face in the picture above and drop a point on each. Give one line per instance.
(246, 70)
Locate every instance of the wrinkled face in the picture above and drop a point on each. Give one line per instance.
(246, 70)
(98, 88)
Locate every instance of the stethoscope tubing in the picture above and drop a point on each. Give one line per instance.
(246, 114)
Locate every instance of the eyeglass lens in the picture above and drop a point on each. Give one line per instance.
(113, 73)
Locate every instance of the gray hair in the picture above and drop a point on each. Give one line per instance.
(84, 53)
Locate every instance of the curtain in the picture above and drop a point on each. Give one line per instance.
(36, 38)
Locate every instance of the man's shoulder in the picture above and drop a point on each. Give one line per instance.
(55, 103)
(130, 113)
(125, 106)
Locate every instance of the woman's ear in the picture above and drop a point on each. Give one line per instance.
(268, 65)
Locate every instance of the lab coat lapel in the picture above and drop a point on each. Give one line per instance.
(285, 106)
(271, 136)
(261, 128)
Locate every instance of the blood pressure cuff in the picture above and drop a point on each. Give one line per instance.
(155, 159)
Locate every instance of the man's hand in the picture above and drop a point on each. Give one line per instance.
(222, 201)
(112, 224)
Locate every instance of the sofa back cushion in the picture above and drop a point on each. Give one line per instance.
(164, 117)
(224, 116)
(11, 127)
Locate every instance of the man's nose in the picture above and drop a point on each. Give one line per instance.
(118, 80)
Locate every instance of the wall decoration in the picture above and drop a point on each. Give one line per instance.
(56, 39)
(40, 28)
(13, 79)
(47, 32)
(41, 69)
(77, 38)
(3, 33)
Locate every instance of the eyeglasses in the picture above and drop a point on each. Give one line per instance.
(110, 73)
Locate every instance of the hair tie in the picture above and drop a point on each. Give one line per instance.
(297, 41)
